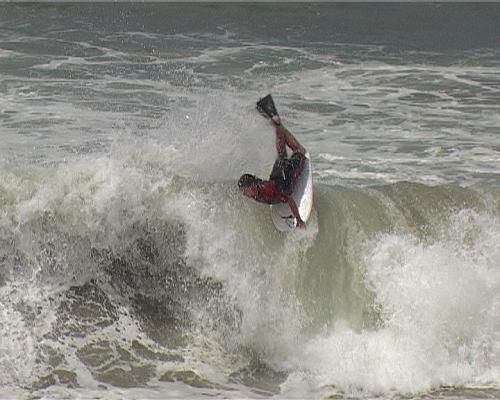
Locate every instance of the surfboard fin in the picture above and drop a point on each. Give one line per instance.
(290, 221)
(266, 107)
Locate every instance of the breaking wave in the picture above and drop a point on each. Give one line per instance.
(123, 272)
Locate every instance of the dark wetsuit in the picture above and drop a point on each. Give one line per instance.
(281, 181)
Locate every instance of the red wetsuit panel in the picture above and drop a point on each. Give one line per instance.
(267, 192)
(281, 183)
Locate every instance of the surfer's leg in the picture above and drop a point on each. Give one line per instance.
(278, 173)
(286, 137)
(280, 145)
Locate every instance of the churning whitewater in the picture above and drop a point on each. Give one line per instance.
(118, 272)
(132, 267)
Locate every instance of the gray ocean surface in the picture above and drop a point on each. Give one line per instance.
(131, 267)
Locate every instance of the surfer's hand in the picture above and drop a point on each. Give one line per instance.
(276, 120)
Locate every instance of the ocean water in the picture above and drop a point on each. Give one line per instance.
(131, 267)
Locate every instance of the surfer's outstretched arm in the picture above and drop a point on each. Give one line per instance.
(284, 136)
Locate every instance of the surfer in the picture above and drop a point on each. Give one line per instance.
(279, 187)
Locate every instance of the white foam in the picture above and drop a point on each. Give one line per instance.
(21, 337)
(439, 308)
(17, 347)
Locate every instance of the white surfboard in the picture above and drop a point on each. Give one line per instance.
(302, 194)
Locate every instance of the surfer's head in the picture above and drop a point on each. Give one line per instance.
(247, 180)
(248, 185)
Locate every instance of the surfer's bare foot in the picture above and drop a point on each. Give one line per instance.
(301, 224)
